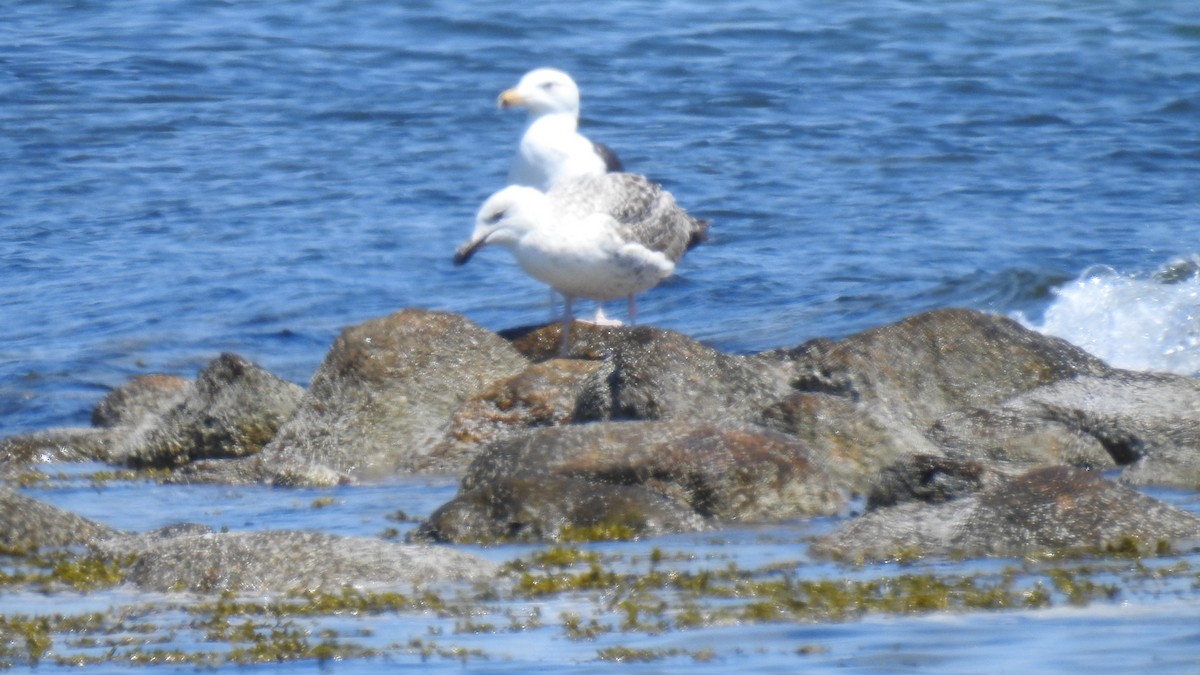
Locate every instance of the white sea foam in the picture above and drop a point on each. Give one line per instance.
(1131, 321)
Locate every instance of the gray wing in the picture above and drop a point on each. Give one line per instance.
(644, 211)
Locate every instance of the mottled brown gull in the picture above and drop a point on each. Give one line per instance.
(599, 237)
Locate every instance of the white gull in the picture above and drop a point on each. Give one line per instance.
(599, 237)
(552, 149)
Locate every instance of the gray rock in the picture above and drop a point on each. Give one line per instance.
(932, 479)
(713, 473)
(279, 561)
(1011, 434)
(659, 374)
(933, 363)
(853, 439)
(233, 410)
(66, 444)
(544, 394)
(1148, 422)
(385, 393)
(27, 524)
(555, 508)
(1044, 509)
(140, 399)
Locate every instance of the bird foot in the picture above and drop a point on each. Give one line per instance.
(601, 320)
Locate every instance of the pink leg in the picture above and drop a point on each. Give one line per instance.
(564, 346)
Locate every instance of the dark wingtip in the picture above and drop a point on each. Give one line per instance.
(699, 235)
(612, 163)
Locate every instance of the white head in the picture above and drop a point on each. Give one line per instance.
(543, 91)
(503, 219)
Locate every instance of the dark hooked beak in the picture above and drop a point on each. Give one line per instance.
(464, 252)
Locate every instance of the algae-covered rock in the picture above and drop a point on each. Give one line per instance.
(555, 508)
(233, 410)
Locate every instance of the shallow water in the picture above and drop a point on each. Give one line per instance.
(181, 178)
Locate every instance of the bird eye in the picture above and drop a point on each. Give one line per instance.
(549, 85)
(494, 218)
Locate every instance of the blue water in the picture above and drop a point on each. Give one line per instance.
(180, 178)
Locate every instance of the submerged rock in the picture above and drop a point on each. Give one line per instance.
(280, 561)
(387, 389)
(233, 410)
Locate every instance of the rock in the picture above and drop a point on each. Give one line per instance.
(233, 410)
(931, 479)
(67, 444)
(1003, 433)
(544, 394)
(385, 393)
(1044, 509)
(143, 398)
(554, 508)
(854, 439)
(716, 473)
(659, 374)
(280, 561)
(933, 363)
(257, 470)
(27, 524)
(1146, 421)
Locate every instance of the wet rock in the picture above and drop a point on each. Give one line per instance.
(67, 444)
(854, 439)
(1047, 508)
(233, 410)
(933, 363)
(141, 399)
(553, 508)
(280, 471)
(659, 374)
(27, 524)
(385, 393)
(715, 473)
(279, 561)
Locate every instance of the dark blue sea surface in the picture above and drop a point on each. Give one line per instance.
(181, 178)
